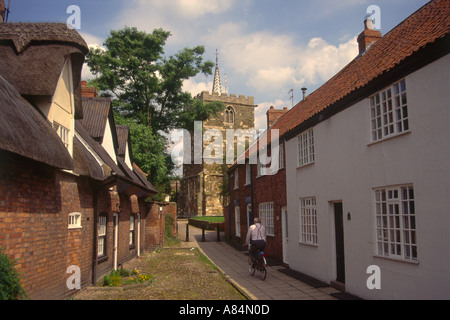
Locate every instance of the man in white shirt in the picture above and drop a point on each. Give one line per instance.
(256, 236)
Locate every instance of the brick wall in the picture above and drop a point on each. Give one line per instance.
(264, 189)
(35, 201)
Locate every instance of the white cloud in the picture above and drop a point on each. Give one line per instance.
(92, 42)
(183, 18)
(195, 88)
(270, 61)
(261, 111)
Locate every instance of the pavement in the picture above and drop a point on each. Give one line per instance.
(232, 263)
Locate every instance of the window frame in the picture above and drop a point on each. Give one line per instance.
(132, 232)
(236, 178)
(248, 174)
(266, 215)
(305, 148)
(396, 223)
(237, 221)
(74, 220)
(102, 236)
(63, 133)
(230, 115)
(308, 228)
(281, 157)
(389, 115)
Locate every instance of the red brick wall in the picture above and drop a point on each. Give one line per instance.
(35, 201)
(265, 189)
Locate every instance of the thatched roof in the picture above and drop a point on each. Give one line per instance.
(25, 34)
(85, 163)
(123, 138)
(33, 56)
(97, 111)
(25, 132)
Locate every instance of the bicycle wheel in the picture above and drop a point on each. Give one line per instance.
(262, 271)
(251, 269)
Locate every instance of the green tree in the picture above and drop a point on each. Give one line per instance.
(10, 286)
(147, 92)
(146, 86)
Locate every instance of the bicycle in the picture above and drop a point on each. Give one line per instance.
(261, 265)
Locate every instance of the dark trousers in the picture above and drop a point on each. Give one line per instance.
(256, 246)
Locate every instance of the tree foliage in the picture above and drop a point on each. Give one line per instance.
(147, 92)
(146, 86)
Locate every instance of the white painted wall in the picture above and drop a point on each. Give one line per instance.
(108, 142)
(348, 167)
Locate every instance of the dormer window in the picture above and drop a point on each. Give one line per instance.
(229, 115)
(63, 133)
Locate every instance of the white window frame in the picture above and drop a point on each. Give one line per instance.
(132, 231)
(74, 220)
(63, 133)
(281, 157)
(236, 178)
(305, 145)
(102, 228)
(248, 173)
(308, 221)
(266, 215)
(396, 223)
(389, 112)
(237, 221)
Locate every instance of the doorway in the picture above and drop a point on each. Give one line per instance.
(339, 238)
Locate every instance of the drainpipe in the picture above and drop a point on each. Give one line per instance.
(94, 268)
(229, 209)
(252, 213)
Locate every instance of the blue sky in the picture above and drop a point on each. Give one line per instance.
(267, 47)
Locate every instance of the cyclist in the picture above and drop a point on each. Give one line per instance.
(256, 237)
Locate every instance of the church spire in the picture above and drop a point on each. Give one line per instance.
(217, 86)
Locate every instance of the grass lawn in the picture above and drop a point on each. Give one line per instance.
(210, 219)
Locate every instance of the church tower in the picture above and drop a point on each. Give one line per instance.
(202, 186)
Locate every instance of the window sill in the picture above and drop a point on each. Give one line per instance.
(75, 228)
(308, 244)
(306, 165)
(389, 138)
(413, 262)
(102, 259)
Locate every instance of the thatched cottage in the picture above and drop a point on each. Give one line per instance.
(70, 193)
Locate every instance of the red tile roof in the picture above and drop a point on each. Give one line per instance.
(425, 26)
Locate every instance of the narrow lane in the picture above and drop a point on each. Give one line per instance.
(233, 264)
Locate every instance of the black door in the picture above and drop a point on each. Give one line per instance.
(339, 232)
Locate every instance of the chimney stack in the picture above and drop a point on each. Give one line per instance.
(273, 114)
(368, 37)
(87, 92)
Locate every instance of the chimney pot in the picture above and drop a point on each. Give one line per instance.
(368, 24)
(368, 37)
(304, 93)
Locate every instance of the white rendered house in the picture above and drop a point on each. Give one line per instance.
(368, 167)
